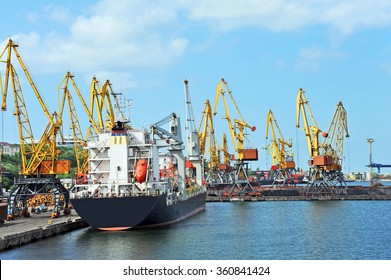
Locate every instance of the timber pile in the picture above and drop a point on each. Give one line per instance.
(45, 199)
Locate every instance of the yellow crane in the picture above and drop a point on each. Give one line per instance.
(283, 163)
(225, 168)
(37, 158)
(206, 132)
(333, 145)
(338, 130)
(100, 100)
(226, 155)
(79, 141)
(236, 128)
(40, 161)
(218, 173)
(324, 171)
(311, 131)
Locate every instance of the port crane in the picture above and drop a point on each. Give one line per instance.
(333, 145)
(378, 166)
(282, 159)
(206, 133)
(226, 155)
(79, 141)
(236, 128)
(100, 101)
(173, 139)
(225, 168)
(325, 159)
(193, 143)
(40, 160)
(218, 173)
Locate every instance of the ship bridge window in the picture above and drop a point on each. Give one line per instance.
(118, 168)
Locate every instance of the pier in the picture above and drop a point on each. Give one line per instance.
(299, 194)
(296, 198)
(38, 226)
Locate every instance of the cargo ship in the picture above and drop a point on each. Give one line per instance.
(139, 179)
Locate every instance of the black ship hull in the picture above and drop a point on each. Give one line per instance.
(121, 213)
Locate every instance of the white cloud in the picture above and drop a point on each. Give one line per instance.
(273, 15)
(350, 16)
(285, 15)
(115, 36)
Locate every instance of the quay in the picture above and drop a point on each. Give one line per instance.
(296, 198)
(298, 194)
(38, 226)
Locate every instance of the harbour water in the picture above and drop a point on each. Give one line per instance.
(289, 230)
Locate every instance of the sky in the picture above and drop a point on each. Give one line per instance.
(265, 50)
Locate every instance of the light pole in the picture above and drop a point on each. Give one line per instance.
(370, 141)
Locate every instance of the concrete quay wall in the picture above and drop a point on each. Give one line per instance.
(22, 234)
(295, 198)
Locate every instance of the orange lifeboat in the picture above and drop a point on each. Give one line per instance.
(141, 170)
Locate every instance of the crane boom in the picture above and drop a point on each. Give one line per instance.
(224, 149)
(311, 132)
(100, 100)
(26, 138)
(13, 46)
(206, 130)
(193, 147)
(237, 126)
(338, 130)
(81, 154)
(105, 102)
(37, 159)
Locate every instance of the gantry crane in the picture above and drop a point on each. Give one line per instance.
(323, 163)
(40, 161)
(236, 128)
(282, 159)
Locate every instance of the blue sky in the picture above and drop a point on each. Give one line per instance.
(265, 50)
